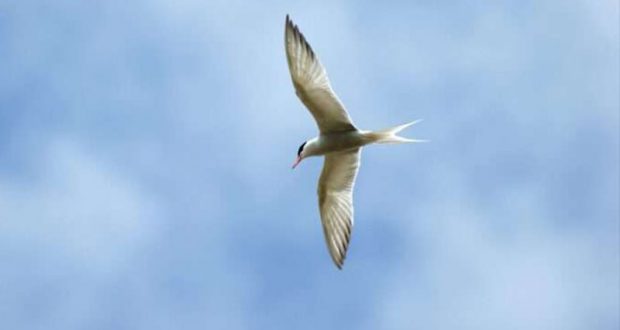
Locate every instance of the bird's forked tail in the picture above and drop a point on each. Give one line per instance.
(389, 135)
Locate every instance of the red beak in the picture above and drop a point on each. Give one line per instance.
(297, 161)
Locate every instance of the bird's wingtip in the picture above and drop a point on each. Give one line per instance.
(289, 23)
(339, 262)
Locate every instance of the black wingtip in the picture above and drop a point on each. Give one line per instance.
(289, 21)
(301, 38)
(291, 26)
(340, 262)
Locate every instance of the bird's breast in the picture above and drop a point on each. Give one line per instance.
(334, 142)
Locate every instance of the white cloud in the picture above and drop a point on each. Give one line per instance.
(80, 207)
(500, 262)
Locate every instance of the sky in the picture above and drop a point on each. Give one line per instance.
(145, 152)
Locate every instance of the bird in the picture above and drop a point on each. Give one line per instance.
(339, 141)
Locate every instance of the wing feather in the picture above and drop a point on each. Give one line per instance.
(336, 201)
(312, 84)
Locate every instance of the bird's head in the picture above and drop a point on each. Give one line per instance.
(301, 154)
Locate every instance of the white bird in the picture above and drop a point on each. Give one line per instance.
(339, 141)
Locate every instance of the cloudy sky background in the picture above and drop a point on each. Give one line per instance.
(145, 182)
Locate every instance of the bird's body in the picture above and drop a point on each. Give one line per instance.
(340, 141)
(336, 142)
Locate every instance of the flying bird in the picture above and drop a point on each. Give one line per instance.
(339, 140)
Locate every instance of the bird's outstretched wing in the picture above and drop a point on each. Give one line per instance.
(336, 200)
(312, 85)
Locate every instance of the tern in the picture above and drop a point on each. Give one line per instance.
(339, 140)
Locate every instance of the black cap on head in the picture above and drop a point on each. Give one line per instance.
(301, 147)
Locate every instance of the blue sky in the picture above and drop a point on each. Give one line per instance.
(145, 152)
